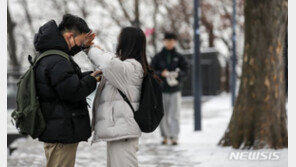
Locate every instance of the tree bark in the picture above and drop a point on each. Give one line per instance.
(136, 22)
(11, 41)
(210, 30)
(124, 10)
(259, 117)
(28, 16)
(154, 35)
(286, 61)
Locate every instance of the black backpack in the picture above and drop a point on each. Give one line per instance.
(150, 110)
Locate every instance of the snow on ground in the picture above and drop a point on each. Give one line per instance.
(196, 149)
(10, 126)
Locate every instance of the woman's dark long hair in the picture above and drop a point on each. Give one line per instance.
(132, 44)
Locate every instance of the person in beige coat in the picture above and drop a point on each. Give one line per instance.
(113, 119)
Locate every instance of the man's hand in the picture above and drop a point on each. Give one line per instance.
(89, 39)
(165, 73)
(97, 74)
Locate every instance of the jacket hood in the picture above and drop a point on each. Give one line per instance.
(49, 37)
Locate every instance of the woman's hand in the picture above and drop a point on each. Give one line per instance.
(89, 39)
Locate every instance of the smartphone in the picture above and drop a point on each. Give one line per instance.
(98, 75)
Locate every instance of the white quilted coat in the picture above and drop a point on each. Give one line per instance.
(114, 119)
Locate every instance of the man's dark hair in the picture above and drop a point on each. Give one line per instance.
(170, 35)
(73, 24)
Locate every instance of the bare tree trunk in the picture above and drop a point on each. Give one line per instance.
(210, 30)
(134, 21)
(259, 115)
(28, 16)
(154, 35)
(286, 61)
(137, 14)
(11, 41)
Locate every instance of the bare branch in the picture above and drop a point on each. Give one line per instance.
(174, 26)
(155, 12)
(11, 40)
(28, 16)
(114, 17)
(82, 7)
(62, 9)
(125, 11)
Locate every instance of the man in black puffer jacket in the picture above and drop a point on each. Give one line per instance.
(171, 67)
(62, 89)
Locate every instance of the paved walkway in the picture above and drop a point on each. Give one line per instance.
(196, 149)
(30, 152)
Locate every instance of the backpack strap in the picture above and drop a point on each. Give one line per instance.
(51, 52)
(126, 99)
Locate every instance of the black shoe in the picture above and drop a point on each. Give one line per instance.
(164, 141)
(174, 142)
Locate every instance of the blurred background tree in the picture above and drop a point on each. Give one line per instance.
(11, 41)
(106, 18)
(259, 117)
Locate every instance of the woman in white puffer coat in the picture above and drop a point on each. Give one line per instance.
(113, 119)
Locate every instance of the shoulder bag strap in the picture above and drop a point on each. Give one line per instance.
(126, 99)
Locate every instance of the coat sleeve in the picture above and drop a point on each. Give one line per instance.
(67, 83)
(86, 73)
(117, 72)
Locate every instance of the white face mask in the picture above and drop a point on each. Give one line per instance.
(75, 49)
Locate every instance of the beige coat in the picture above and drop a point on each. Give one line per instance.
(113, 117)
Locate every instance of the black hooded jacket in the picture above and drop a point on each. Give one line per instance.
(62, 90)
(170, 60)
